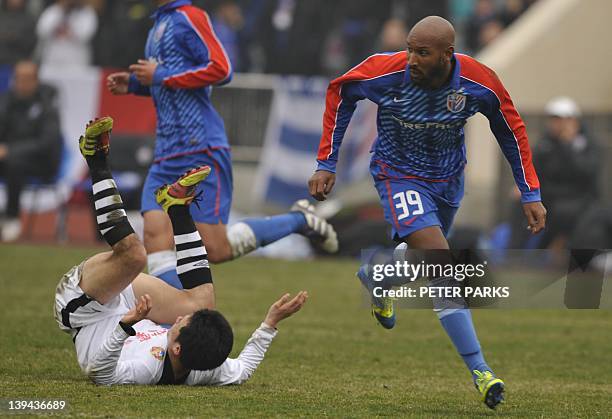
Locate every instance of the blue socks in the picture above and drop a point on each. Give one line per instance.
(255, 232)
(459, 327)
(270, 229)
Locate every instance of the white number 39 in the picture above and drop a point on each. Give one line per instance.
(411, 198)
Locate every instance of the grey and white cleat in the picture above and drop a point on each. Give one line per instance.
(321, 233)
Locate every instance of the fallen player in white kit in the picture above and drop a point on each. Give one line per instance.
(113, 311)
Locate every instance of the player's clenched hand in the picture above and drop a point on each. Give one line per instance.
(117, 83)
(144, 71)
(320, 184)
(285, 307)
(138, 313)
(536, 216)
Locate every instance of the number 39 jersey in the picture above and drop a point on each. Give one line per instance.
(420, 131)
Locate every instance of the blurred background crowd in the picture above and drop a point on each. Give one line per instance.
(314, 37)
(264, 38)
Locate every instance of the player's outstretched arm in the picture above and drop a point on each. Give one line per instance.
(239, 370)
(321, 184)
(285, 307)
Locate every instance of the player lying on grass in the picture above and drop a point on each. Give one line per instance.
(424, 97)
(114, 312)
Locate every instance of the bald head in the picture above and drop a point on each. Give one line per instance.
(431, 44)
(434, 30)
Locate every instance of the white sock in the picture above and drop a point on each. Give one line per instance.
(160, 262)
(242, 239)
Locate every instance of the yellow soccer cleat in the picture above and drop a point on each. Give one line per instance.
(97, 137)
(383, 308)
(181, 192)
(490, 387)
(385, 315)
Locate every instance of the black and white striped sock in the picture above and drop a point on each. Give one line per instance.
(192, 264)
(110, 216)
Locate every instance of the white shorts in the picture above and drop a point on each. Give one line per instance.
(87, 321)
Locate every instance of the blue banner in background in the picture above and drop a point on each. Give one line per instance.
(6, 72)
(292, 139)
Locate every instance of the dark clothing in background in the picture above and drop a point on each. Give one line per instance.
(594, 229)
(124, 26)
(568, 175)
(296, 48)
(31, 130)
(17, 36)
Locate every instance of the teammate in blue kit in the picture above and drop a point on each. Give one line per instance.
(424, 97)
(184, 60)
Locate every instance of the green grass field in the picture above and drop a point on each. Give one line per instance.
(331, 359)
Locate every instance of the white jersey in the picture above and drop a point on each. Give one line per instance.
(108, 355)
(139, 359)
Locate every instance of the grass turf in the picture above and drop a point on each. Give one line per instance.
(329, 360)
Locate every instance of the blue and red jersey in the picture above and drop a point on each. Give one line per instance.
(190, 61)
(420, 132)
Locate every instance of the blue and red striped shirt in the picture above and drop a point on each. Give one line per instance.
(190, 61)
(420, 132)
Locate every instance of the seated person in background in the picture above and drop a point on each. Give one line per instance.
(30, 139)
(568, 164)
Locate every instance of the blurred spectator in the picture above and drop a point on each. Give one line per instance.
(568, 164)
(124, 26)
(393, 36)
(292, 34)
(353, 34)
(512, 9)
(65, 30)
(17, 38)
(227, 22)
(30, 139)
(484, 12)
(489, 19)
(489, 31)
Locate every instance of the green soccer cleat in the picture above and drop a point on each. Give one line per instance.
(97, 137)
(181, 192)
(491, 388)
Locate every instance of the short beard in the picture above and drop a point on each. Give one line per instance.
(438, 72)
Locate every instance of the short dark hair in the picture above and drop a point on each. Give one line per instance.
(206, 341)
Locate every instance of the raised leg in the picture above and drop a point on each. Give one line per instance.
(105, 275)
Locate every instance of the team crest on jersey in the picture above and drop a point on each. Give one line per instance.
(159, 31)
(158, 352)
(455, 102)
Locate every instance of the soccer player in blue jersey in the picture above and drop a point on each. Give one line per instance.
(184, 61)
(424, 97)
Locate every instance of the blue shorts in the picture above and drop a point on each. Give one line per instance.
(411, 204)
(217, 188)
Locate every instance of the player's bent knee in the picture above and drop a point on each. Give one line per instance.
(139, 258)
(133, 254)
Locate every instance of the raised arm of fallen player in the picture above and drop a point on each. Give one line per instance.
(240, 369)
